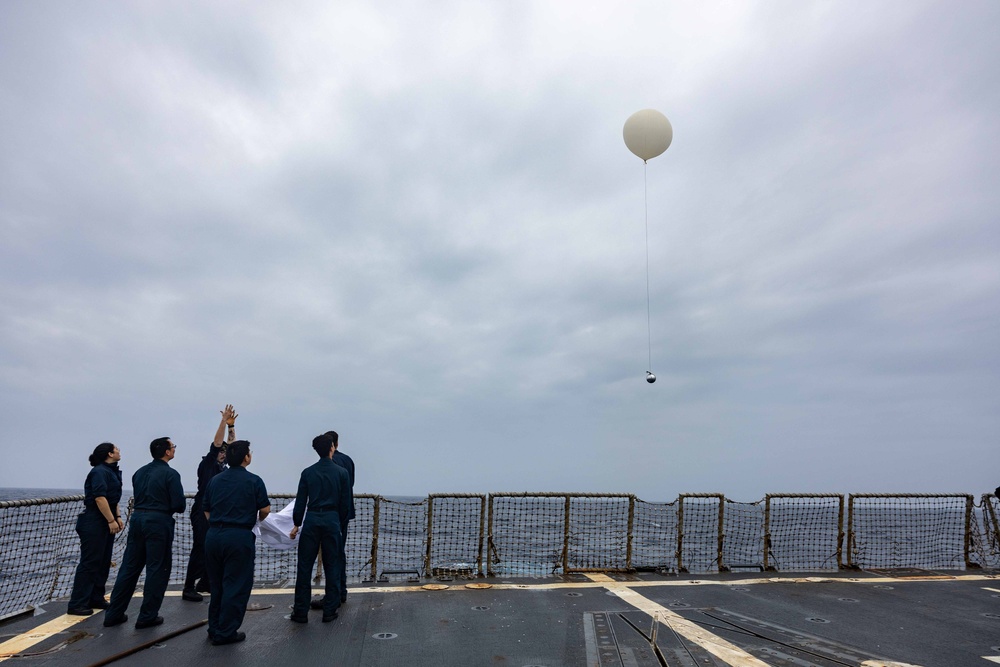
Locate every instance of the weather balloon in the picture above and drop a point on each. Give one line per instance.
(648, 133)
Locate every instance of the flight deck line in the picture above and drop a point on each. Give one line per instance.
(717, 646)
(26, 640)
(569, 585)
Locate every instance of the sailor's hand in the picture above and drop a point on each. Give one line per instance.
(295, 531)
(115, 526)
(232, 417)
(227, 413)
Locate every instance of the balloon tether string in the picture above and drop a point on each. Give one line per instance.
(645, 198)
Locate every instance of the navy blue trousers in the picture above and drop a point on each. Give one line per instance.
(320, 529)
(229, 558)
(149, 544)
(196, 573)
(343, 559)
(96, 544)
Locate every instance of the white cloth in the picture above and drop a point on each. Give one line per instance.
(275, 527)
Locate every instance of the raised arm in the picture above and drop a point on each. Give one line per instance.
(231, 423)
(227, 414)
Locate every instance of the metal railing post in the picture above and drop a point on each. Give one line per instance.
(489, 541)
(565, 554)
(968, 529)
(680, 533)
(722, 517)
(628, 537)
(378, 500)
(767, 532)
(430, 532)
(479, 548)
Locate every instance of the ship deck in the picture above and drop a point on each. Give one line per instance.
(914, 617)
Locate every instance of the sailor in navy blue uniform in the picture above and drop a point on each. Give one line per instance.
(211, 465)
(158, 495)
(325, 491)
(345, 462)
(97, 526)
(236, 499)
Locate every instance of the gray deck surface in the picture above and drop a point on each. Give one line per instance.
(840, 619)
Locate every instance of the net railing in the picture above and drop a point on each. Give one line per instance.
(544, 534)
(915, 530)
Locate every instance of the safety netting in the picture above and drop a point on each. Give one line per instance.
(743, 535)
(597, 538)
(908, 531)
(527, 534)
(541, 534)
(654, 536)
(803, 531)
(456, 533)
(985, 532)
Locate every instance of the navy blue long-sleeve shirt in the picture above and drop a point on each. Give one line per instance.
(157, 487)
(207, 469)
(234, 498)
(323, 487)
(347, 463)
(103, 481)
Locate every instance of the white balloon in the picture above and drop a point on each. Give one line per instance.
(648, 133)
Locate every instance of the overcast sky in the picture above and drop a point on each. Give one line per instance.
(416, 223)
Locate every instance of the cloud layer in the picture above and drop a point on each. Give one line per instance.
(419, 225)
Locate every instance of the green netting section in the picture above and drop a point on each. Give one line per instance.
(527, 534)
(598, 533)
(804, 532)
(359, 539)
(402, 539)
(743, 535)
(916, 531)
(457, 535)
(654, 536)
(37, 557)
(699, 527)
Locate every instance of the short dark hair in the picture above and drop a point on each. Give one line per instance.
(237, 452)
(323, 444)
(333, 435)
(101, 453)
(158, 448)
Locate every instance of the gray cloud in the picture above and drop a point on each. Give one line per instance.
(420, 226)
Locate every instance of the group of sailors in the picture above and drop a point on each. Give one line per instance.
(229, 502)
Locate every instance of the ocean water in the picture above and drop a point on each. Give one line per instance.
(28, 494)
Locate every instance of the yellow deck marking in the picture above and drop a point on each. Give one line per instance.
(37, 635)
(992, 590)
(623, 589)
(717, 646)
(992, 658)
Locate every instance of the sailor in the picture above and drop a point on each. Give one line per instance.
(97, 526)
(235, 500)
(158, 495)
(345, 462)
(325, 490)
(211, 465)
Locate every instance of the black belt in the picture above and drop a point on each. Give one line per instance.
(167, 512)
(220, 524)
